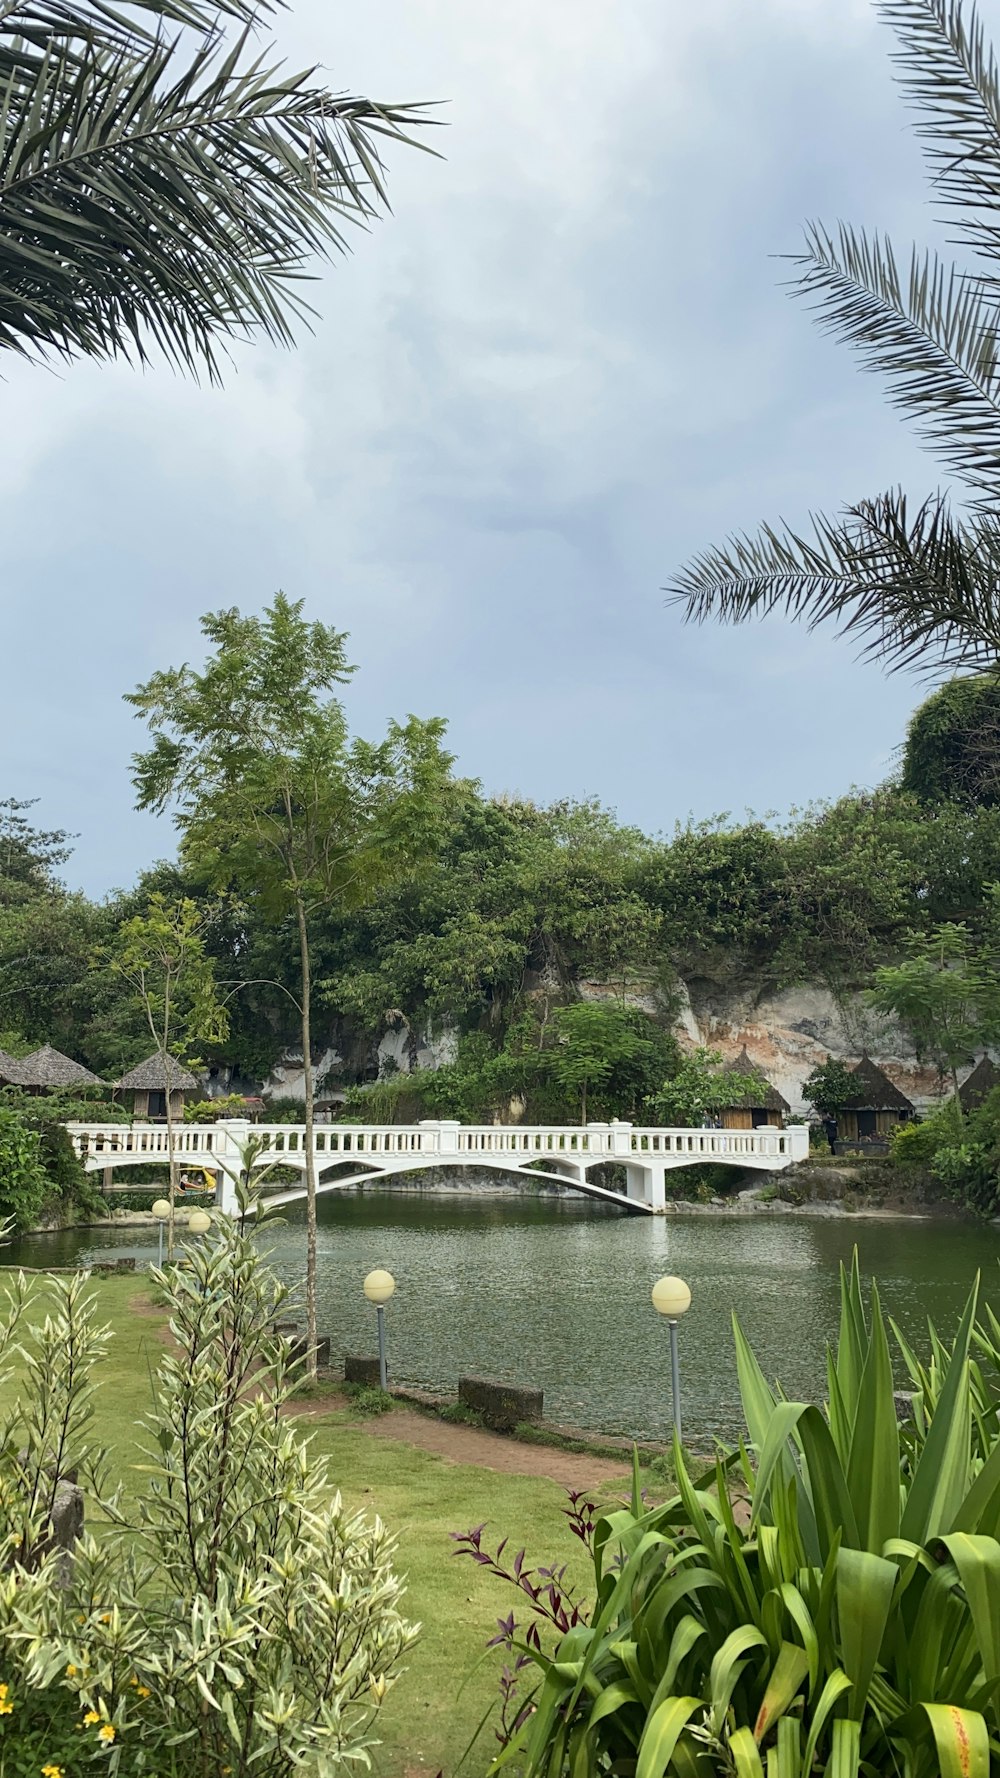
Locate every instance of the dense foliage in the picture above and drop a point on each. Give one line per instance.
(231, 1615)
(510, 916)
(847, 1623)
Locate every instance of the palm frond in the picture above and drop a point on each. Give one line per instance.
(949, 73)
(921, 591)
(931, 333)
(151, 195)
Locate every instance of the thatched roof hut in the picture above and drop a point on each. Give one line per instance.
(47, 1068)
(974, 1089)
(751, 1110)
(877, 1106)
(153, 1075)
(875, 1091)
(11, 1070)
(151, 1080)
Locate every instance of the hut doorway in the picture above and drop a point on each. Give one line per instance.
(867, 1125)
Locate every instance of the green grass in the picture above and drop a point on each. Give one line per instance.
(425, 1723)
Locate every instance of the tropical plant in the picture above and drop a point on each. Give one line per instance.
(829, 1087)
(849, 1626)
(945, 992)
(24, 1185)
(699, 1089)
(159, 187)
(232, 1613)
(273, 796)
(916, 587)
(952, 748)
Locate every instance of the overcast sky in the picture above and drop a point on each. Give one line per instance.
(563, 364)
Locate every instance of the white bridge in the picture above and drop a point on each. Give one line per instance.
(347, 1155)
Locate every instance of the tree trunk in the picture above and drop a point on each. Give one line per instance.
(172, 1170)
(307, 1082)
(583, 1104)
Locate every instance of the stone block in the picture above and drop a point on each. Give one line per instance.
(502, 1405)
(361, 1370)
(298, 1348)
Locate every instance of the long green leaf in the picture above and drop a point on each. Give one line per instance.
(745, 1754)
(834, 1689)
(940, 1480)
(845, 1760)
(873, 1466)
(662, 1733)
(865, 1586)
(786, 1677)
(978, 1562)
(727, 1665)
(961, 1740)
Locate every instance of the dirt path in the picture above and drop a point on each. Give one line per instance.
(487, 1450)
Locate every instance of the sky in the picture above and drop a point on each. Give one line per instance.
(562, 365)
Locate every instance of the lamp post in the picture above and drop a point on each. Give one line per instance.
(672, 1298)
(161, 1210)
(378, 1288)
(199, 1222)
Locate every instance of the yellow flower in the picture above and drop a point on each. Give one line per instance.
(107, 1733)
(71, 1671)
(142, 1691)
(4, 1689)
(52, 1772)
(106, 1619)
(90, 1718)
(6, 1709)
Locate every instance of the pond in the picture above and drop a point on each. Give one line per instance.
(553, 1291)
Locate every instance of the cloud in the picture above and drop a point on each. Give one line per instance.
(563, 364)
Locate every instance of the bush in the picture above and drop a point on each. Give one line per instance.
(236, 1618)
(849, 1627)
(23, 1183)
(369, 1400)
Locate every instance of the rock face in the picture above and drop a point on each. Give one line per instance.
(786, 1034)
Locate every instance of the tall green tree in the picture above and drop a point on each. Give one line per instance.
(161, 957)
(947, 995)
(273, 797)
(162, 187)
(914, 582)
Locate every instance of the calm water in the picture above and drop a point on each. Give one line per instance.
(554, 1292)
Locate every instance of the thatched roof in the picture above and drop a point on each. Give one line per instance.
(50, 1068)
(973, 1090)
(11, 1070)
(151, 1076)
(764, 1097)
(875, 1091)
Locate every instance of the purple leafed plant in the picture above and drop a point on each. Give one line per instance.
(551, 1599)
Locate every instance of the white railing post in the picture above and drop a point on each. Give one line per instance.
(230, 1137)
(621, 1138)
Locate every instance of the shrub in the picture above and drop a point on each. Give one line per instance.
(235, 1618)
(849, 1627)
(369, 1400)
(23, 1183)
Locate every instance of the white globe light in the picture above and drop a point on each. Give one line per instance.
(671, 1297)
(199, 1222)
(379, 1286)
(161, 1209)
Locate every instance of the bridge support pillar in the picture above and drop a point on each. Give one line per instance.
(646, 1184)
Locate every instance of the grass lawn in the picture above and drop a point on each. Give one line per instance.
(425, 1724)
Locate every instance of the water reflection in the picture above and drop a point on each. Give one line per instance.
(555, 1292)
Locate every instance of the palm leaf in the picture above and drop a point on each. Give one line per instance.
(155, 196)
(920, 590)
(932, 333)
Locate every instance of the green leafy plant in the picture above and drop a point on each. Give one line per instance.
(849, 1626)
(370, 1400)
(24, 1185)
(234, 1614)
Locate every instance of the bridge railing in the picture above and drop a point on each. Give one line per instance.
(219, 1142)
